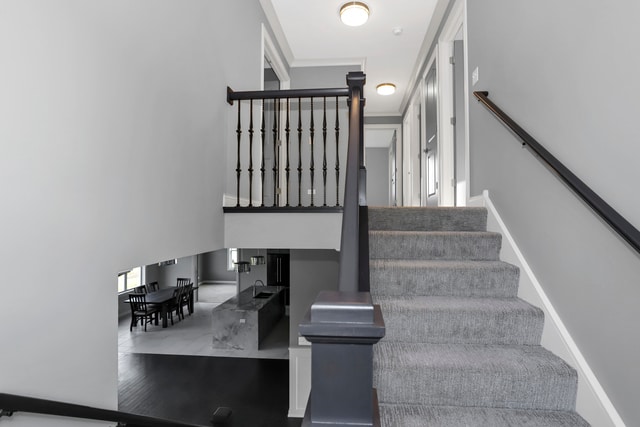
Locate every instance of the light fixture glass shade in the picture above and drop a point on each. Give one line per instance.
(243, 266)
(354, 13)
(386, 89)
(257, 260)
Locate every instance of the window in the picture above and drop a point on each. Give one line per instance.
(129, 279)
(232, 258)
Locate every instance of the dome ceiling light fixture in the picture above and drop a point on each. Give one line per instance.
(385, 89)
(354, 13)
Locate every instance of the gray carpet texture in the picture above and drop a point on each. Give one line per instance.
(460, 348)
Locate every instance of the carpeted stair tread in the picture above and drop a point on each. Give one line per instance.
(425, 219)
(434, 245)
(428, 319)
(444, 277)
(516, 377)
(457, 416)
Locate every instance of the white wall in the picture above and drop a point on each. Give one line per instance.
(564, 72)
(113, 135)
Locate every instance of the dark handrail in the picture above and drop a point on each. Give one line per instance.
(11, 403)
(287, 93)
(354, 270)
(619, 224)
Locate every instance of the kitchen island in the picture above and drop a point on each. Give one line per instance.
(243, 321)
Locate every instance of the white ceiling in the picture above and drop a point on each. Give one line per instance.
(310, 33)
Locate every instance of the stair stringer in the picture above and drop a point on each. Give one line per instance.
(592, 402)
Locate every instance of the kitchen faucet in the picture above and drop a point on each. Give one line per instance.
(255, 284)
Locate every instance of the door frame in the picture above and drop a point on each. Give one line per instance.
(433, 59)
(454, 23)
(270, 52)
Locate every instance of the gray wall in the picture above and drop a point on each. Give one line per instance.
(113, 136)
(213, 266)
(383, 120)
(564, 72)
(312, 271)
(377, 163)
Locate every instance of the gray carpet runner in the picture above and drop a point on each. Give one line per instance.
(460, 348)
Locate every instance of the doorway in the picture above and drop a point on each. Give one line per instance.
(383, 165)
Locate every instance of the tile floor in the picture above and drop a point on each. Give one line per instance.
(192, 336)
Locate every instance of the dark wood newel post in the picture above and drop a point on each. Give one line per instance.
(342, 328)
(354, 197)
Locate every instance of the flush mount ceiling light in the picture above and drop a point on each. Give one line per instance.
(354, 13)
(385, 89)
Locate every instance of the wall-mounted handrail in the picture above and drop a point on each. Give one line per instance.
(616, 221)
(11, 403)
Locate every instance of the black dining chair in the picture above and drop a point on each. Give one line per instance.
(174, 304)
(153, 287)
(140, 289)
(140, 310)
(185, 300)
(183, 281)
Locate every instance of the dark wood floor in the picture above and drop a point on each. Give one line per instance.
(190, 388)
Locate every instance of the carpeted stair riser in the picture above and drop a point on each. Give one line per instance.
(461, 320)
(491, 279)
(516, 377)
(460, 348)
(420, 245)
(447, 416)
(427, 219)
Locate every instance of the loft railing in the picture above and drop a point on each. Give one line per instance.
(11, 404)
(616, 221)
(277, 154)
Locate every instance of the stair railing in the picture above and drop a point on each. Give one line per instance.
(281, 144)
(616, 221)
(11, 403)
(343, 325)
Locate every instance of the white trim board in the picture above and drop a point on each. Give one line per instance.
(592, 403)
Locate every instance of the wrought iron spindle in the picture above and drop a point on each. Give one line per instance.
(262, 169)
(311, 163)
(238, 169)
(275, 151)
(299, 152)
(324, 150)
(250, 153)
(287, 169)
(337, 156)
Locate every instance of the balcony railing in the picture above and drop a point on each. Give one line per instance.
(288, 149)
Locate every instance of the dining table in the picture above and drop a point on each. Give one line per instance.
(163, 298)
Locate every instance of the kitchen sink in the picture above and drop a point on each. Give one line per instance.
(264, 294)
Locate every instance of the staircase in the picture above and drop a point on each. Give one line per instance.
(460, 348)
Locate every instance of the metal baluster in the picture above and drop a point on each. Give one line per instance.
(262, 169)
(337, 156)
(239, 133)
(311, 164)
(276, 103)
(251, 153)
(299, 152)
(287, 168)
(324, 150)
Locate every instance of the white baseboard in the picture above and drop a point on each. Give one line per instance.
(299, 380)
(592, 403)
(217, 282)
(230, 200)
